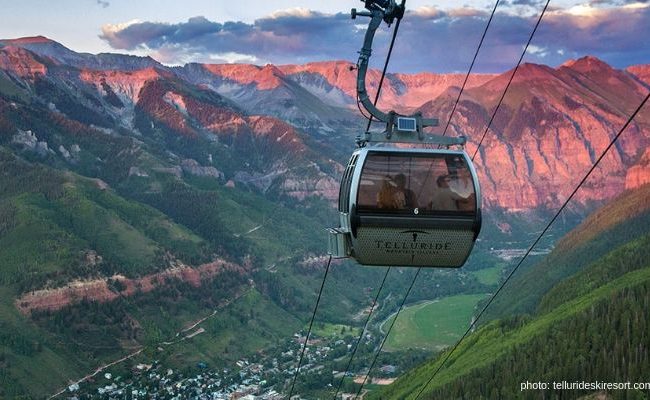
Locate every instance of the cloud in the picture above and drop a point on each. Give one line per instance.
(283, 37)
(618, 2)
(429, 39)
(620, 36)
(134, 34)
(292, 12)
(529, 3)
(466, 12)
(537, 51)
(174, 55)
(428, 12)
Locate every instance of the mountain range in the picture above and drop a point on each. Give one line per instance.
(551, 126)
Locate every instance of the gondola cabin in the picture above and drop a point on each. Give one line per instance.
(407, 207)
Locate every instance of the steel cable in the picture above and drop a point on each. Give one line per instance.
(311, 323)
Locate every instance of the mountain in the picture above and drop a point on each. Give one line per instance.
(57, 52)
(600, 305)
(403, 92)
(21, 62)
(267, 90)
(549, 130)
(138, 99)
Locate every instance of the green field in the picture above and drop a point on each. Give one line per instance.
(432, 325)
(489, 276)
(325, 330)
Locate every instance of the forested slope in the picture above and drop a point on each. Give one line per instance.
(620, 221)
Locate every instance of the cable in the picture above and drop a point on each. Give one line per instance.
(383, 73)
(584, 179)
(356, 346)
(470, 67)
(302, 353)
(539, 20)
(381, 346)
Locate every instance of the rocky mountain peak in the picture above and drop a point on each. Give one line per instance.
(587, 64)
(126, 84)
(269, 77)
(530, 71)
(264, 78)
(21, 62)
(339, 74)
(26, 40)
(45, 47)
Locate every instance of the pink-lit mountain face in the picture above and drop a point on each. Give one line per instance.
(21, 62)
(552, 125)
(642, 72)
(335, 82)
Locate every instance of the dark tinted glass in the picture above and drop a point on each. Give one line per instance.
(416, 183)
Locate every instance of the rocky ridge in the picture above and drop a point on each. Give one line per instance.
(107, 289)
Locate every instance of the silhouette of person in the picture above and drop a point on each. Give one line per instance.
(463, 185)
(444, 198)
(410, 199)
(389, 196)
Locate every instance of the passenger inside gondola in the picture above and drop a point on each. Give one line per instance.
(410, 200)
(389, 196)
(463, 186)
(444, 198)
(404, 184)
(394, 194)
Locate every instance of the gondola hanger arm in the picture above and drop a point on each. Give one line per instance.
(399, 128)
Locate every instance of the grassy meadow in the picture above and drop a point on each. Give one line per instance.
(432, 325)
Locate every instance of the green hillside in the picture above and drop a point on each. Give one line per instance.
(591, 240)
(590, 327)
(51, 222)
(50, 219)
(553, 347)
(88, 218)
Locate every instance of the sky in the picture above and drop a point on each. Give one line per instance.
(434, 36)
